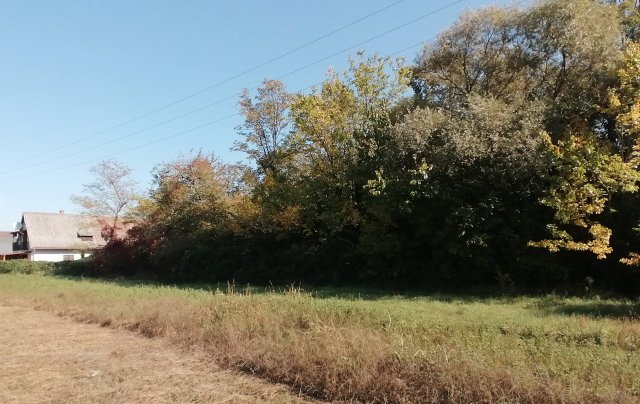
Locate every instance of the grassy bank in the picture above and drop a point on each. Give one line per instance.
(377, 349)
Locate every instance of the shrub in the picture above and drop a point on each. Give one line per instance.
(74, 268)
(24, 266)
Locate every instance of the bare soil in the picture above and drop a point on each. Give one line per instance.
(48, 359)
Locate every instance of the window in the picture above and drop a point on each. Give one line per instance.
(67, 257)
(85, 234)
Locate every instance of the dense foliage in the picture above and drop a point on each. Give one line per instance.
(507, 154)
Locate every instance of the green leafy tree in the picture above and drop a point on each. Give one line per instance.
(341, 131)
(266, 120)
(463, 191)
(557, 51)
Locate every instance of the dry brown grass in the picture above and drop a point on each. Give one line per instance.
(53, 360)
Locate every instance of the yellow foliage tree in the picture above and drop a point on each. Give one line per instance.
(588, 172)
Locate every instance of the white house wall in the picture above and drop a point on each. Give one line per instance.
(55, 255)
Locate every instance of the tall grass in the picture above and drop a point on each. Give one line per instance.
(382, 349)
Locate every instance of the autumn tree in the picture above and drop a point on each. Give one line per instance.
(587, 175)
(196, 203)
(629, 11)
(111, 195)
(266, 120)
(559, 52)
(590, 172)
(623, 105)
(341, 132)
(624, 110)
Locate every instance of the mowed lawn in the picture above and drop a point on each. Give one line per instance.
(341, 345)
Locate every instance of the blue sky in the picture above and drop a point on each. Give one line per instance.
(74, 71)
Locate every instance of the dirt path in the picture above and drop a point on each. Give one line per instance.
(47, 359)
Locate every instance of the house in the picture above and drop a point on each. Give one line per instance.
(57, 236)
(6, 247)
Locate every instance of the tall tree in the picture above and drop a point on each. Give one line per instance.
(340, 133)
(265, 123)
(111, 195)
(630, 12)
(560, 52)
(266, 141)
(587, 175)
(590, 172)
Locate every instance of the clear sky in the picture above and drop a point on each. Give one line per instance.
(76, 75)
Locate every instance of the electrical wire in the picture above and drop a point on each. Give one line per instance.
(174, 135)
(209, 123)
(219, 101)
(217, 84)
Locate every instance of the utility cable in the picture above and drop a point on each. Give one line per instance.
(226, 99)
(219, 83)
(236, 95)
(174, 135)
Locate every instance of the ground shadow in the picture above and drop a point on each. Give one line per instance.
(316, 291)
(547, 304)
(615, 309)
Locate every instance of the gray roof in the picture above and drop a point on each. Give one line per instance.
(62, 231)
(6, 242)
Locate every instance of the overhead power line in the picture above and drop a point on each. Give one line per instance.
(413, 21)
(209, 123)
(184, 132)
(174, 135)
(219, 101)
(217, 84)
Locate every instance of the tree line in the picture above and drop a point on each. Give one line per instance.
(505, 154)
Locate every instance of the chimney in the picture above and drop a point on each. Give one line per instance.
(61, 212)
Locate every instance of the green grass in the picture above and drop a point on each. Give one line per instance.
(337, 344)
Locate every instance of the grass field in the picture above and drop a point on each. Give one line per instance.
(373, 347)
